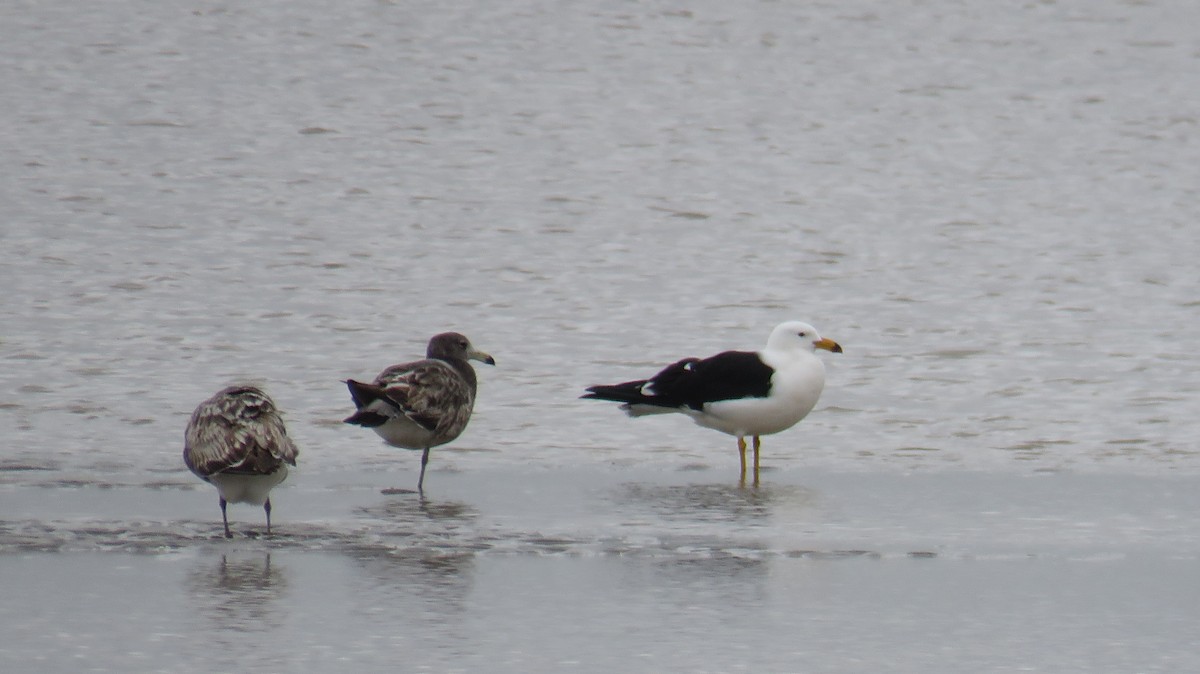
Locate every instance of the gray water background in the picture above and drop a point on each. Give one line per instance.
(990, 206)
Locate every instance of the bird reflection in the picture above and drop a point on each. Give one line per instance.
(425, 529)
(239, 594)
(420, 551)
(410, 509)
(418, 580)
(711, 502)
(719, 526)
(715, 569)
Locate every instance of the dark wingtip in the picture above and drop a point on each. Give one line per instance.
(611, 394)
(360, 393)
(367, 419)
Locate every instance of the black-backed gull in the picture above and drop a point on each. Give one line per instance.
(742, 393)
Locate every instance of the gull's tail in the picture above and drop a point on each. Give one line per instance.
(634, 396)
(364, 395)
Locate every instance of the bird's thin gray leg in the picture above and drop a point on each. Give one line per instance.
(225, 519)
(424, 461)
(267, 507)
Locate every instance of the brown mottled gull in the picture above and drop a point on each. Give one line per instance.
(236, 441)
(424, 403)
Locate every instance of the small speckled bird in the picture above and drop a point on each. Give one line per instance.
(237, 442)
(424, 403)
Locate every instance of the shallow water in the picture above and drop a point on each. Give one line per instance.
(990, 208)
(635, 569)
(276, 611)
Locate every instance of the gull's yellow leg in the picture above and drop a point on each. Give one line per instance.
(757, 444)
(742, 453)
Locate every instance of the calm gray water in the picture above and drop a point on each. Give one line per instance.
(991, 207)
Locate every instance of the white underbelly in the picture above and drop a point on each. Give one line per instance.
(749, 416)
(402, 432)
(237, 488)
(793, 396)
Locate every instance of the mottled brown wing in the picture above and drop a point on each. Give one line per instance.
(238, 430)
(431, 393)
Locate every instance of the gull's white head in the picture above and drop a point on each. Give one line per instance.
(796, 335)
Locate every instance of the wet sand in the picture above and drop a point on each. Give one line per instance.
(593, 570)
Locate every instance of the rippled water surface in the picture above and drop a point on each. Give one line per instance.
(990, 207)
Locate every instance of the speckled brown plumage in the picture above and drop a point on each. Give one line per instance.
(424, 403)
(236, 440)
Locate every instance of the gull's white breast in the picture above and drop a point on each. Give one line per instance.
(795, 387)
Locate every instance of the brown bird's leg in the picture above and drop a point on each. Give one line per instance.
(225, 519)
(742, 454)
(421, 480)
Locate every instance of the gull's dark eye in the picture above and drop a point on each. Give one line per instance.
(802, 334)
